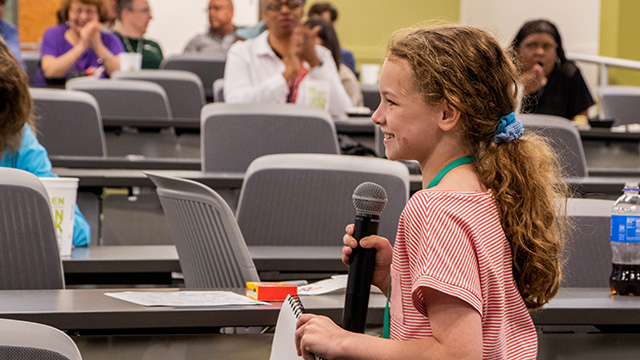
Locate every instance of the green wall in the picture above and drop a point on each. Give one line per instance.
(620, 37)
(365, 25)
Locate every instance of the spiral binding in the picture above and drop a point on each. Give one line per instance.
(298, 310)
(296, 306)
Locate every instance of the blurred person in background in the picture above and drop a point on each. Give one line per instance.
(327, 37)
(19, 148)
(552, 84)
(328, 12)
(284, 59)
(134, 17)
(9, 33)
(78, 46)
(220, 36)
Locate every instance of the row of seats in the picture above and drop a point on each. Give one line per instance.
(207, 68)
(70, 123)
(281, 193)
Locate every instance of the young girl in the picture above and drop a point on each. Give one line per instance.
(19, 147)
(481, 244)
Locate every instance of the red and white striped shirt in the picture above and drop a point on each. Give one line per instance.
(453, 242)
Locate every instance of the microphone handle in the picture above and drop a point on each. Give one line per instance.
(362, 265)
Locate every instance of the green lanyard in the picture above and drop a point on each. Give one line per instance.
(455, 163)
(434, 182)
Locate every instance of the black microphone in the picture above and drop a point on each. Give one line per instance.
(369, 199)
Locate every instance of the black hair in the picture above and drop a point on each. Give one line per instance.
(328, 36)
(317, 9)
(537, 27)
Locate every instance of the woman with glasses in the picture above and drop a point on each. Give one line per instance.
(279, 64)
(552, 84)
(78, 47)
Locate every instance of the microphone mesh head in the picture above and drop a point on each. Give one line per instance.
(369, 198)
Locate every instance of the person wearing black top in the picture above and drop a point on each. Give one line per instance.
(552, 84)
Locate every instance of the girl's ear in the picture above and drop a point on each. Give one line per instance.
(450, 116)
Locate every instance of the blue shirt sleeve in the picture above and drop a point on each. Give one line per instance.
(33, 157)
(10, 35)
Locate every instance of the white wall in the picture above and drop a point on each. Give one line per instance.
(175, 22)
(577, 20)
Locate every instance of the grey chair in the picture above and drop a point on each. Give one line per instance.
(210, 246)
(68, 122)
(621, 103)
(233, 135)
(28, 340)
(218, 90)
(208, 68)
(371, 95)
(29, 257)
(32, 60)
(184, 89)
(565, 139)
(306, 199)
(125, 99)
(588, 249)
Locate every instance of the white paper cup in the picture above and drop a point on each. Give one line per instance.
(62, 198)
(369, 73)
(130, 62)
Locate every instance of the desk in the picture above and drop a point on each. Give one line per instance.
(124, 162)
(90, 309)
(164, 258)
(134, 177)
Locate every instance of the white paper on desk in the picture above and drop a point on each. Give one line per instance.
(185, 298)
(335, 283)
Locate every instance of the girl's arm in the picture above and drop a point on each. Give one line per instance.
(456, 328)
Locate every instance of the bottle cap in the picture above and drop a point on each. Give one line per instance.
(631, 186)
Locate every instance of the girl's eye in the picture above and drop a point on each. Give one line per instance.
(391, 102)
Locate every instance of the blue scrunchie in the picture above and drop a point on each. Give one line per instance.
(508, 129)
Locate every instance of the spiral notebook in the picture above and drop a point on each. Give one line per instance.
(284, 339)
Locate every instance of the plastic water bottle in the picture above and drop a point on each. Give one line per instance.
(625, 242)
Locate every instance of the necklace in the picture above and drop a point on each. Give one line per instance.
(127, 44)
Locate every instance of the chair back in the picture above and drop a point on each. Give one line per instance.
(210, 246)
(218, 90)
(564, 138)
(183, 88)
(32, 61)
(208, 68)
(306, 199)
(621, 103)
(588, 248)
(125, 99)
(29, 258)
(29, 340)
(68, 122)
(371, 95)
(233, 135)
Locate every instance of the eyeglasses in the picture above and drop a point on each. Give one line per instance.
(290, 4)
(142, 11)
(89, 11)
